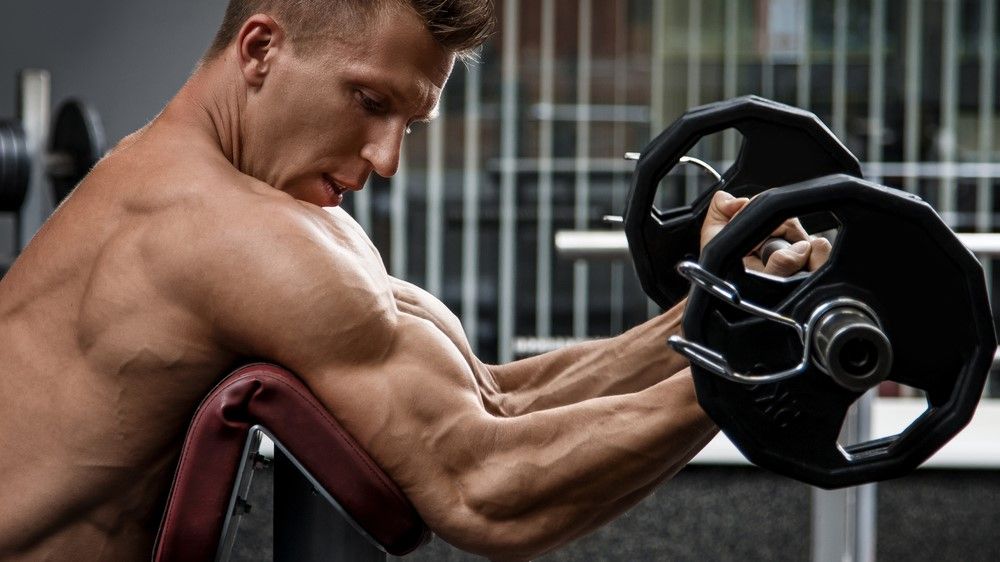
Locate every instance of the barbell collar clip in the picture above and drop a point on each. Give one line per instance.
(716, 363)
(728, 292)
(701, 164)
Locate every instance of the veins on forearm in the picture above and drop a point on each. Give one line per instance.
(630, 362)
(559, 473)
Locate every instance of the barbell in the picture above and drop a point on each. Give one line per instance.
(778, 362)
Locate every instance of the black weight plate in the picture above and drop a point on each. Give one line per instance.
(15, 166)
(77, 143)
(894, 254)
(781, 145)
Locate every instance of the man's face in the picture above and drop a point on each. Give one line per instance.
(324, 120)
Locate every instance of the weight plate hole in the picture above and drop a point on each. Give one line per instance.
(910, 403)
(685, 182)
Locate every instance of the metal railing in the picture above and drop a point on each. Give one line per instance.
(530, 138)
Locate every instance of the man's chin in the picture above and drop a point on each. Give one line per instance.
(318, 197)
(334, 201)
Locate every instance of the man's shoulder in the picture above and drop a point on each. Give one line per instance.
(284, 278)
(247, 234)
(206, 210)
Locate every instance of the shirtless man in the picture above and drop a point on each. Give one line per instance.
(201, 240)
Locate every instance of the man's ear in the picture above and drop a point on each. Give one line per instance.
(257, 44)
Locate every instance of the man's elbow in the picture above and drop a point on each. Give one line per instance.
(509, 540)
(499, 524)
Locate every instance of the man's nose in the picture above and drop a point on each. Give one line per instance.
(383, 153)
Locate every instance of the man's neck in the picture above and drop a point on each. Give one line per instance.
(210, 105)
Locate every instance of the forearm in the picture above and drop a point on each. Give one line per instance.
(604, 516)
(556, 474)
(631, 362)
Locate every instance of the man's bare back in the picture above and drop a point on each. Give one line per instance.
(170, 263)
(108, 366)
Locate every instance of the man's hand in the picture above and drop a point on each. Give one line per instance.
(806, 252)
(722, 210)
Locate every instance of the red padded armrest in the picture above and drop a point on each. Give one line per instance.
(276, 399)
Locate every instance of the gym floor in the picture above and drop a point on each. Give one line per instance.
(746, 514)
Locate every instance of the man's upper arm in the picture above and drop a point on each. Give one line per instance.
(316, 304)
(391, 377)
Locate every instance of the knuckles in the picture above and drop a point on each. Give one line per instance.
(785, 262)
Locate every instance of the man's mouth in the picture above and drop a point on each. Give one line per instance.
(336, 186)
(335, 190)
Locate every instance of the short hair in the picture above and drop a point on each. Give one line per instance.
(459, 26)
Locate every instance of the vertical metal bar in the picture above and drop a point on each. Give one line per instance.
(435, 204)
(843, 521)
(876, 87)
(839, 114)
(582, 162)
(694, 53)
(766, 50)
(34, 101)
(911, 103)
(363, 207)
(693, 82)
(865, 510)
(508, 181)
(657, 89)
(729, 72)
(804, 79)
(829, 525)
(617, 297)
(543, 270)
(987, 98)
(618, 187)
(657, 76)
(470, 206)
(948, 196)
(398, 216)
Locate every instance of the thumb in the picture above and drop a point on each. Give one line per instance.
(720, 211)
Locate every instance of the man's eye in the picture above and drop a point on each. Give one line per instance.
(369, 104)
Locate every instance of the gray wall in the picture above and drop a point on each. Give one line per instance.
(126, 57)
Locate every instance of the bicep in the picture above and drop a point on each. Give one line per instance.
(417, 410)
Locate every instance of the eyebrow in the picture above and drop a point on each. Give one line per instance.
(398, 96)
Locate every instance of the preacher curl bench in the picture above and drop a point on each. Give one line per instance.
(318, 465)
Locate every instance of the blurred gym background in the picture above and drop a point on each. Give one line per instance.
(530, 141)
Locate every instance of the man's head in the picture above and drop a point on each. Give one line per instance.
(332, 86)
(459, 26)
